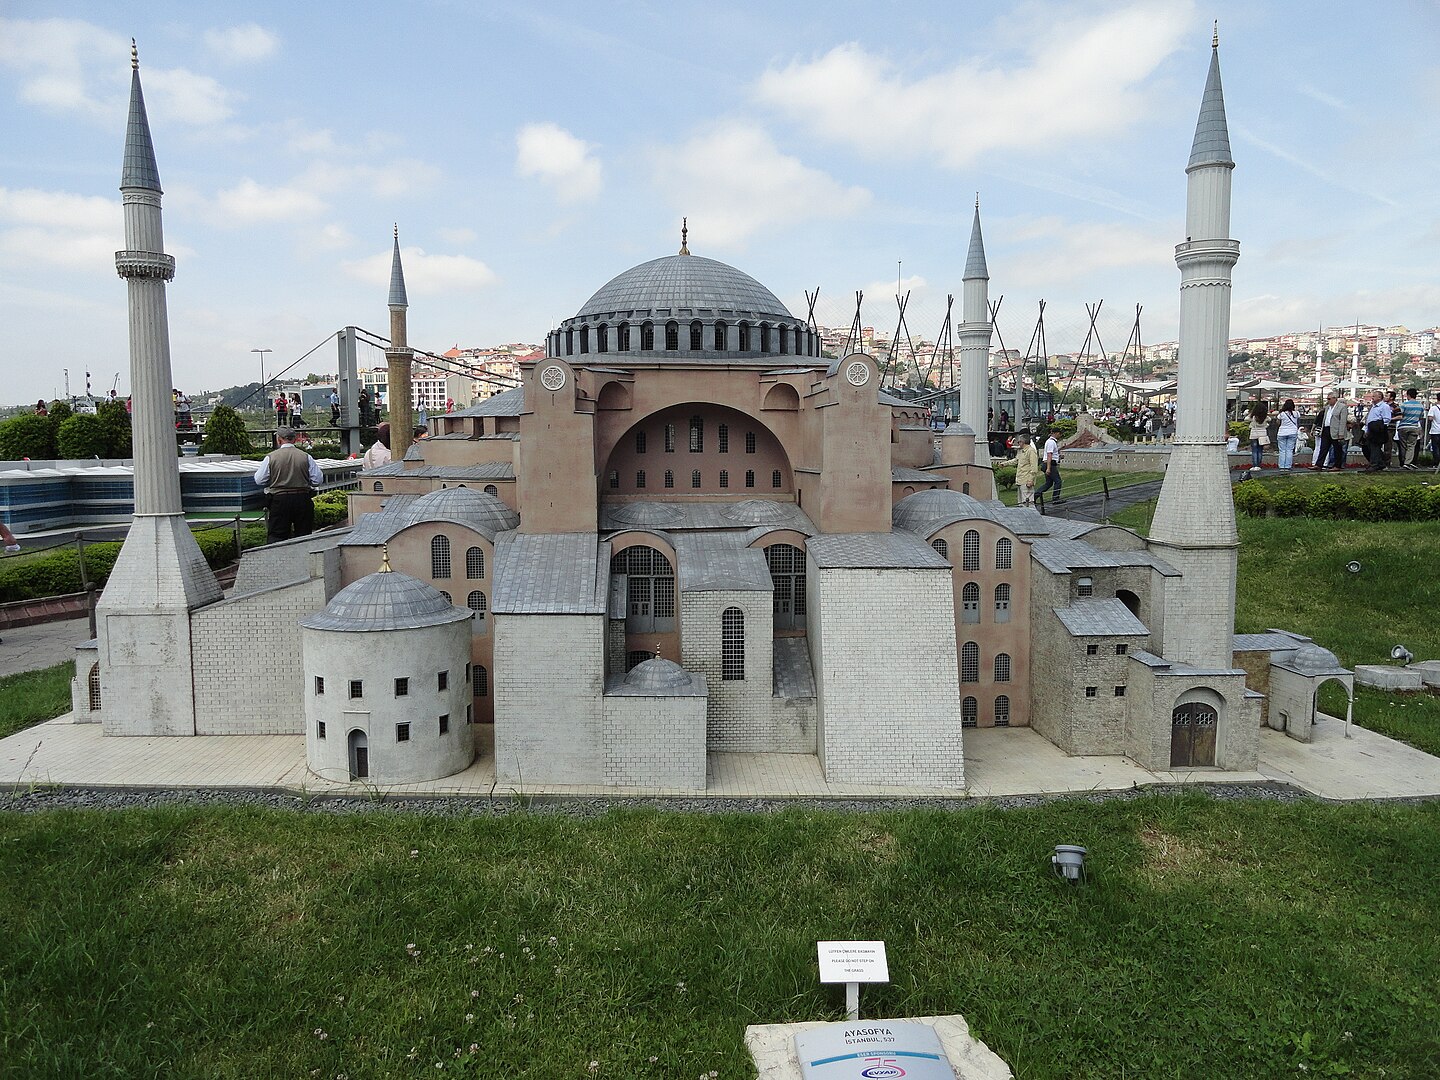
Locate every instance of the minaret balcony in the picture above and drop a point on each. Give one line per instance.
(1220, 249)
(145, 264)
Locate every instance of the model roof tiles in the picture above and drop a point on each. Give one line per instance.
(506, 403)
(1212, 136)
(386, 601)
(551, 574)
(715, 562)
(1062, 556)
(708, 514)
(1100, 618)
(877, 551)
(139, 169)
(473, 509)
(675, 283)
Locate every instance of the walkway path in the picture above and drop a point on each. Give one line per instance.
(1095, 507)
(28, 648)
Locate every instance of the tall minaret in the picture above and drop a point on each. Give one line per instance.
(160, 576)
(1194, 524)
(974, 334)
(1320, 360)
(397, 359)
(1355, 364)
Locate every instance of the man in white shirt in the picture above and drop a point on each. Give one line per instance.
(1050, 466)
(1433, 415)
(1377, 432)
(1333, 431)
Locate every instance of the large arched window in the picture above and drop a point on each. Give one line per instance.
(970, 603)
(787, 578)
(481, 679)
(969, 712)
(1002, 603)
(475, 563)
(697, 336)
(1002, 711)
(672, 336)
(650, 588)
(584, 339)
(722, 436)
(744, 337)
(1002, 667)
(732, 645)
(764, 337)
(476, 603)
(602, 338)
(697, 435)
(719, 337)
(970, 662)
(623, 344)
(941, 546)
(1004, 554)
(440, 557)
(647, 337)
(970, 551)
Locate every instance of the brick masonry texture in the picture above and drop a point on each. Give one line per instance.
(655, 742)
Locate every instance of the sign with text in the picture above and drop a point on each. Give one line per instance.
(872, 1050)
(853, 962)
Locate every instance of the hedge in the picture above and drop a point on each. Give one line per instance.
(1340, 503)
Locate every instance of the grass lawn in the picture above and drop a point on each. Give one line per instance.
(1215, 939)
(33, 696)
(1078, 482)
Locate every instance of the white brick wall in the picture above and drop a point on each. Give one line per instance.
(655, 742)
(883, 643)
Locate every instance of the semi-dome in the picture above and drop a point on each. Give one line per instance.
(386, 601)
(756, 512)
(466, 506)
(1312, 659)
(647, 513)
(684, 309)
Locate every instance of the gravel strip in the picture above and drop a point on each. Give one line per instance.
(37, 799)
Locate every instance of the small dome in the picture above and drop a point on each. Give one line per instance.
(657, 674)
(466, 505)
(756, 512)
(1313, 659)
(647, 513)
(955, 427)
(386, 601)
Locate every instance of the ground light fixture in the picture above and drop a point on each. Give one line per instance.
(1404, 655)
(1068, 861)
(1353, 566)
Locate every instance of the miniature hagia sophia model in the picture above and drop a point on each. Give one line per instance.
(688, 532)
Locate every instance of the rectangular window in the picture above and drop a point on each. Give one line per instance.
(732, 645)
(357, 688)
(724, 478)
(640, 442)
(1085, 587)
(749, 442)
(775, 480)
(722, 436)
(445, 723)
(1119, 691)
(669, 478)
(319, 685)
(697, 435)
(669, 438)
(1121, 649)
(444, 680)
(640, 479)
(467, 674)
(320, 729)
(402, 732)
(1092, 649)
(749, 478)
(614, 479)
(402, 687)
(695, 479)
(469, 714)
(1092, 691)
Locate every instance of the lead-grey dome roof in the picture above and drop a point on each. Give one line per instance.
(657, 674)
(467, 506)
(386, 601)
(684, 285)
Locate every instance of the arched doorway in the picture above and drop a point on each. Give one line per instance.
(1130, 600)
(359, 755)
(787, 577)
(650, 589)
(1193, 726)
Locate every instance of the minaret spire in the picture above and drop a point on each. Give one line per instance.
(974, 334)
(397, 276)
(684, 236)
(398, 360)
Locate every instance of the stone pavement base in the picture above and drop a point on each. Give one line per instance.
(772, 1048)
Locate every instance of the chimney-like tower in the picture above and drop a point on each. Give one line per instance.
(974, 334)
(1320, 360)
(398, 359)
(160, 576)
(1194, 525)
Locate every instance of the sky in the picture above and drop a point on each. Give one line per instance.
(529, 152)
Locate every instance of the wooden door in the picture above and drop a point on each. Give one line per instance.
(1192, 735)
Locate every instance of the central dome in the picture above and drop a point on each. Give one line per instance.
(684, 285)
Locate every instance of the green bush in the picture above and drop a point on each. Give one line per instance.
(1061, 429)
(1337, 503)
(1252, 499)
(81, 436)
(332, 508)
(1005, 476)
(1239, 429)
(1329, 501)
(28, 436)
(115, 423)
(225, 433)
(1290, 502)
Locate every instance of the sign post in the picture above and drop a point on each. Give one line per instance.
(853, 963)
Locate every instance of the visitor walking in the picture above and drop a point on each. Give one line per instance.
(1050, 465)
(289, 477)
(1027, 469)
(334, 409)
(1332, 431)
(1259, 432)
(1377, 432)
(1288, 434)
(1412, 417)
(1433, 413)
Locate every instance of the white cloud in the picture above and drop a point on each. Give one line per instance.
(459, 235)
(559, 160)
(1046, 251)
(733, 181)
(177, 94)
(74, 231)
(424, 273)
(248, 202)
(1082, 75)
(57, 60)
(242, 44)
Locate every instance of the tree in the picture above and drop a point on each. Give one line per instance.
(225, 433)
(115, 425)
(27, 436)
(60, 411)
(82, 436)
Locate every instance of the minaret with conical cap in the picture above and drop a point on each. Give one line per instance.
(1194, 524)
(160, 575)
(398, 359)
(974, 333)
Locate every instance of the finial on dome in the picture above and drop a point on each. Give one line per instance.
(134, 56)
(657, 650)
(397, 230)
(385, 559)
(977, 200)
(684, 243)
(1215, 38)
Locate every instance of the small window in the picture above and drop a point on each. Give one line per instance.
(970, 550)
(647, 337)
(319, 685)
(569, 342)
(724, 478)
(1085, 586)
(443, 680)
(402, 687)
(970, 662)
(357, 689)
(1092, 649)
(490, 489)
(623, 344)
(640, 442)
(969, 712)
(1092, 691)
(469, 713)
(732, 645)
(482, 681)
(1121, 649)
(744, 337)
(584, 339)
(722, 436)
(669, 438)
(320, 729)
(614, 479)
(749, 442)
(1004, 554)
(719, 337)
(695, 479)
(402, 732)
(379, 486)
(1002, 667)
(1119, 691)
(444, 723)
(697, 435)
(1002, 603)
(697, 336)
(439, 557)
(970, 603)
(775, 479)
(672, 336)
(446, 595)
(669, 478)
(965, 488)
(467, 674)
(749, 478)
(1002, 711)
(602, 338)
(941, 546)
(640, 478)
(475, 563)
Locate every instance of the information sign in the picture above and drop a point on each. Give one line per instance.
(853, 962)
(872, 1050)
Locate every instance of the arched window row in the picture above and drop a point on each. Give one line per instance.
(698, 335)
